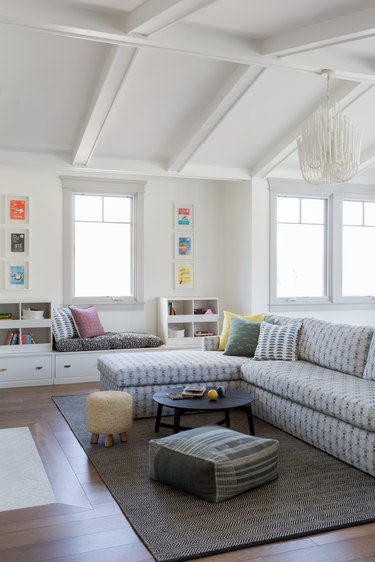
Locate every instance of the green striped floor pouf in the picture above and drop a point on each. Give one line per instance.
(213, 463)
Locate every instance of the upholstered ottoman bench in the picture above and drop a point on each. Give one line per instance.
(213, 463)
(143, 374)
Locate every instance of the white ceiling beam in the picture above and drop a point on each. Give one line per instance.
(154, 15)
(71, 21)
(357, 25)
(239, 83)
(112, 81)
(347, 94)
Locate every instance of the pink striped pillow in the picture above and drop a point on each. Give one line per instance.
(87, 322)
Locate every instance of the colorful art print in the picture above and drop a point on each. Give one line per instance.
(17, 275)
(17, 209)
(184, 248)
(184, 276)
(17, 242)
(184, 216)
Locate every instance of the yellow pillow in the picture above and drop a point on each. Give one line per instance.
(226, 325)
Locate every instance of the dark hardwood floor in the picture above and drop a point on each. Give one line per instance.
(86, 524)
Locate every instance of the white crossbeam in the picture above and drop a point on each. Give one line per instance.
(112, 81)
(154, 15)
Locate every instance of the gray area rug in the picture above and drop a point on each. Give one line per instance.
(314, 492)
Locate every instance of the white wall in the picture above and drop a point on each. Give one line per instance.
(43, 186)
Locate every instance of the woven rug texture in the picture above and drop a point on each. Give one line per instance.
(314, 492)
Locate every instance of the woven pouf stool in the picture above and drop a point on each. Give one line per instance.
(213, 463)
(107, 413)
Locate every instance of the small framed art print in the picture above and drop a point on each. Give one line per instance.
(184, 275)
(183, 216)
(183, 248)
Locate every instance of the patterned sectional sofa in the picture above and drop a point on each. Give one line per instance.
(326, 397)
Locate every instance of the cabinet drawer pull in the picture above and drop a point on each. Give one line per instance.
(39, 367)
(67, 366)
(3, 370)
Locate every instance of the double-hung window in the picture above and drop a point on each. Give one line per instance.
(102, 241)
(321, 242)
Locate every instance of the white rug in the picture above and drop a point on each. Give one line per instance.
(23, 480)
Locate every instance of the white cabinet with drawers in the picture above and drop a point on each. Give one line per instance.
(26, 370)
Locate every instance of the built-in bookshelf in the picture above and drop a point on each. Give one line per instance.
(25, 326)
(182, 321)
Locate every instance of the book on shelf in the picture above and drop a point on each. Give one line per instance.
(5, 316)
(194, 390)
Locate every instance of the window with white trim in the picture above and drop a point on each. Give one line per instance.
(321, 241)
(301, 247)
(102, 241)
(358, 238)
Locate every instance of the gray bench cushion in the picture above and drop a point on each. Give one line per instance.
(347, 398)
(110, 340)
(213, 463)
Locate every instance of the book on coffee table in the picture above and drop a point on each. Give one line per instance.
(194, 390)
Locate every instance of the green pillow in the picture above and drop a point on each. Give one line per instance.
(243, 337)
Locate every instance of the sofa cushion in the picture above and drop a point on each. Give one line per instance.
(350, 399)
(63, 324)
(87, 322)
(277, 342)
(213, 463)
(122, 340)
(228, 316)
(170, 368)
(341, 347)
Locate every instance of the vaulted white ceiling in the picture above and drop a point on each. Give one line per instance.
(191, 88)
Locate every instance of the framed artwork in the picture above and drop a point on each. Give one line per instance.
(17, 276)
(183, 216)
(183, 248)
(184, 275)
(17, 243)
(17, 209)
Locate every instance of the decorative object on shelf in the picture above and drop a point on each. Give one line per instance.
(183, 246)
(330, 145)
(184, 277)
(183, 216)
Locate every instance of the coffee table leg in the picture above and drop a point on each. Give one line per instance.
(158, 417)
(250, 419)
(176, 421)
(227, 418)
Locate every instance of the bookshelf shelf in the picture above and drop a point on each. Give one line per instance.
(19, 335)
(182, 321)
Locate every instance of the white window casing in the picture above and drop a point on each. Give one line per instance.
(75, 185)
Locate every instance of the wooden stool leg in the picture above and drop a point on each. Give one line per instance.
(108, 441)
(123, 436)
(94, 438)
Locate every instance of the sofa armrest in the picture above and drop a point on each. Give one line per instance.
(210, 343)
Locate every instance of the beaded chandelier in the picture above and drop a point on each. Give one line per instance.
(329, 147)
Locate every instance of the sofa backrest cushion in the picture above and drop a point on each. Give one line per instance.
(341, 347)
(369, 372)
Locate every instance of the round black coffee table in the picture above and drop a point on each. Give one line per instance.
(233, 400)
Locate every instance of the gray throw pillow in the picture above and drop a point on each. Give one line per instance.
(243, 337)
